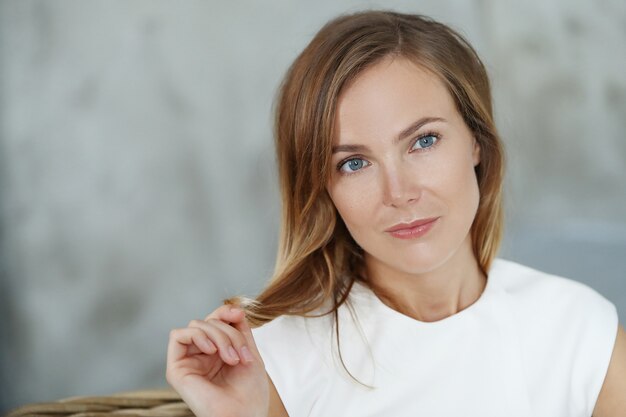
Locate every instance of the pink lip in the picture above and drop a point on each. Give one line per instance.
(412, 230)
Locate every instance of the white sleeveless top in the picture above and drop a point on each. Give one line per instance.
(533, 344)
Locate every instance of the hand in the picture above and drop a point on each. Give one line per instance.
(216, 368)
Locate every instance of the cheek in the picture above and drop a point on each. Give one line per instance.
(449, 188)
(463, 190)
(353, 202)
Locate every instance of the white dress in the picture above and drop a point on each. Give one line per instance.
(533, 344)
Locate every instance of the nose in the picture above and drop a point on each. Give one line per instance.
(399, 186)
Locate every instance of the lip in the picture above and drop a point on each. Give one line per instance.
(413, 229)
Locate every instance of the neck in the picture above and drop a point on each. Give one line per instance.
(430, 295)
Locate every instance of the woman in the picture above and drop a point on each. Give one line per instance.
(387, 298)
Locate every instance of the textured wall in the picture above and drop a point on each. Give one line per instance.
(137, 181)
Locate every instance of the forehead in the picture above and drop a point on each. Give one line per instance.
(385, 98)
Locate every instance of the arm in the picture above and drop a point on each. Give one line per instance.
(277, 409)
(612, 398)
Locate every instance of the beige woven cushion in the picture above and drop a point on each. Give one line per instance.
(165, 403)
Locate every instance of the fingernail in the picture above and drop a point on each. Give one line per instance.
(234, 310)
(247, 356)
(209, 346)
(233, 353)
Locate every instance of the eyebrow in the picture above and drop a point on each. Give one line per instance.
(412, 128)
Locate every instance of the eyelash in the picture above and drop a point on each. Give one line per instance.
(413, 143)
(437, 136)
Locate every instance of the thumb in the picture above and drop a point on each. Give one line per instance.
(244, 327)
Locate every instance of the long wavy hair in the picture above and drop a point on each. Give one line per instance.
(318, 261)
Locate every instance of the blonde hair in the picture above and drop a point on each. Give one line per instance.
(318, 261)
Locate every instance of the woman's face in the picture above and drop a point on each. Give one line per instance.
(403, 155)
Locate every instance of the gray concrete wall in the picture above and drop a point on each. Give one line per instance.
(137, 182)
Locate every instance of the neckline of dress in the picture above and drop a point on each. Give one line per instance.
(362, 293)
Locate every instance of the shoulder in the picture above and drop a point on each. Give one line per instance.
(555, 305)
(291, 347)
(564, 325)
(281, 325)
(545, 292)
(290, 338)
(515, 277)
(293, 330)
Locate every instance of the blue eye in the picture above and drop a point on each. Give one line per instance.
(425, 141)
(353, 165)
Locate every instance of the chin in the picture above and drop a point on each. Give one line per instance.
(421, 267)
(414, 263)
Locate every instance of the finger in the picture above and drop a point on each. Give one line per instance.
(236, 318)
(194, 350)
(244, 342)
(228, 340)
(203, 344)
(244, 328)
(227, 313)
(182, 340)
